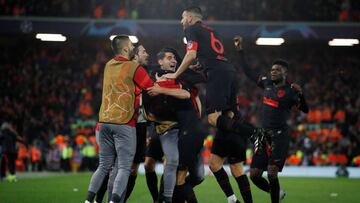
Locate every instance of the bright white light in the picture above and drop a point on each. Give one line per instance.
(270, 41)
(51, 37)
(343, 42)
(184, 40)
(132, 38)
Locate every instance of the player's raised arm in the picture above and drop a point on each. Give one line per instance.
(189, 57)
(251, 74)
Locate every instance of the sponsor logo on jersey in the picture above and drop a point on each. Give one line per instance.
(281, 93)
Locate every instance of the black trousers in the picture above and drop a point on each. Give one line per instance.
(7, 159)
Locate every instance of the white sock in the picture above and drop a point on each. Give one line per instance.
(232, 199)
(86, 201)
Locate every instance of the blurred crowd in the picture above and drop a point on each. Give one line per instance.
(51, 94)
(244, 10)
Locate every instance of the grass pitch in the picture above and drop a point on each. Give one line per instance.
(72, 188)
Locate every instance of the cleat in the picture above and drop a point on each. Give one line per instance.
(11, 178)
(258, 139)
(282, 195)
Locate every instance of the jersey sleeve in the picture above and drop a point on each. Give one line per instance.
(300, 102)
(191, 38)
(142, 79)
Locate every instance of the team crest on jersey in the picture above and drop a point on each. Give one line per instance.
(190, 45)
(281, 93)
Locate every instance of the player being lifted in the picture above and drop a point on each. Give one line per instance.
(204, 43)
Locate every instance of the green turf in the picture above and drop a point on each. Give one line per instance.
(72, 189)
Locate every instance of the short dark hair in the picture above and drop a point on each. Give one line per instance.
(195, 10)
(119, 42)
(281, 62)
(161, 54)
(136, 48)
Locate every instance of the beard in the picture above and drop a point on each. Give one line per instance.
(132, 54)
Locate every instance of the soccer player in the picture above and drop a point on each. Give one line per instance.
(191, 133)
(167, 59)
(8, 153)
(117, 118)
(142, 58)
(234, 149)
(279, 96)
(191, 137)
(204, 43)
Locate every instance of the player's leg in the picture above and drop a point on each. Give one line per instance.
(219, 151)
(169, 144)
(132, 178)
(106, 160)
(242, 181)
(125, 146)
(101, 193)
(11, 163)
(280, 140)
(273, 171)
(153, 152)
(189, 146)
(216, 166)
(3, 167)
(237, 155)
(139, 157)
(183, 191)
(197, 172)
(258, 165)
(220, 91)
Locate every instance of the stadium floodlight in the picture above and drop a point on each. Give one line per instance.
(269, 41)
(343, 42)
(184, 40)
(132, 38)
(51, 37)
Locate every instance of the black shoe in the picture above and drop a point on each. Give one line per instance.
(163, 199)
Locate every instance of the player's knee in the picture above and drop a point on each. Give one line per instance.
(105, 167)
(214, 165)
(134, 169)
(255, 174)
(236, 170)
(273, 172)
(149, 166)
(212, 120)
(174, 161)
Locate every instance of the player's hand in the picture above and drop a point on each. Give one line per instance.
(238, 42)
(296, 87)
(196, 67)
(154, 90)
(159, 79)
(169, 76)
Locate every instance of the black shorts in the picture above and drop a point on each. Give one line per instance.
(231, 146)
(190, 143)
(154, 149)
(276, 151)
(140, 142)
(221, 89)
